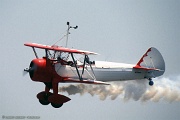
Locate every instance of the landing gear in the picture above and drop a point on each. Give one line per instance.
(54, 98)
(151, 83)
(44, 102)
(43, 97)
(56, 105)
(57, 100)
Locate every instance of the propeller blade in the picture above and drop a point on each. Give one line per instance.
(24, 73)
(31, 68)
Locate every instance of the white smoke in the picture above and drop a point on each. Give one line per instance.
(167, 89)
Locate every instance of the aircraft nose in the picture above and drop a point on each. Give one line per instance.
(32, 68)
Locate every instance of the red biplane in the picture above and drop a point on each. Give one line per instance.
(60, 66)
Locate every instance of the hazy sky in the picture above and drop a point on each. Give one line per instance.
(119, 31)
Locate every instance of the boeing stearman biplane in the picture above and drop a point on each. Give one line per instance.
(60, 65)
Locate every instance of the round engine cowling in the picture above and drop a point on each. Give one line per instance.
(40, 71)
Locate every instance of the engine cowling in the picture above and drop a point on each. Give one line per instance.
(40, 71)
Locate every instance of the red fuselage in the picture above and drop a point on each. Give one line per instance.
(43, 71)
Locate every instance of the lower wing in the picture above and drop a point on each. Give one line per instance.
(87, 81)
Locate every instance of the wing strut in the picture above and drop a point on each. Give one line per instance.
(89, 62)
(80, 78)
(46, 53)
(92, 72)
(35, 52)
(86, 60)
(83, 65)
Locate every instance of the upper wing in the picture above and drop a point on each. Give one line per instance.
(58, 48)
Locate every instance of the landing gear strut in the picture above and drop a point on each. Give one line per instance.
(151, 83)
(54, 98)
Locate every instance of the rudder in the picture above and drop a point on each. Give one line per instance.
(152, 60)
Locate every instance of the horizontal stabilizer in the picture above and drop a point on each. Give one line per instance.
(145, 68)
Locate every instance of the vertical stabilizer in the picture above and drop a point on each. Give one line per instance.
(152, 60)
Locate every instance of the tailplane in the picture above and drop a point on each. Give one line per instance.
(152, 61)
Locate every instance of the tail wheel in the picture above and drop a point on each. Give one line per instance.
(151, 83)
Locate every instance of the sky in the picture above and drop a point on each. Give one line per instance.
(119, 30)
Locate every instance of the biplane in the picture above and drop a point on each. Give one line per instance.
(59, 65)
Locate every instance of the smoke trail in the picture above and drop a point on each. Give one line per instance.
(167, 89)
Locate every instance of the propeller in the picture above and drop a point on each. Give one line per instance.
(24, 72)
(30, 70)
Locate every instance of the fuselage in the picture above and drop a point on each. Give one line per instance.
(103, 71)
(57, 67)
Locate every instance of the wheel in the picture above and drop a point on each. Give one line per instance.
(43, 97)
(44, 102)
(151, 83)
(57, 100)
(57, 105)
